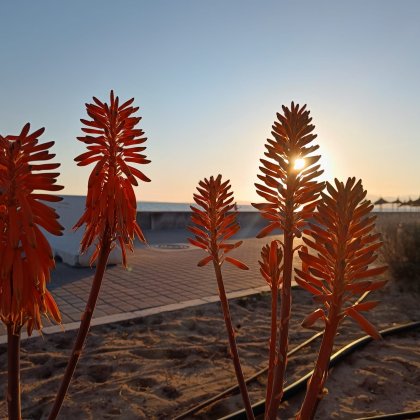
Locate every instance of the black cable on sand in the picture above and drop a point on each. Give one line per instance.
(297, 386)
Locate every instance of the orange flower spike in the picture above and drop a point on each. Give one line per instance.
(215, 223)
(289, 173)
(271, 270)
(25, 254)
(112, 141)
(343, 245)
(290, 190)
(111, 208)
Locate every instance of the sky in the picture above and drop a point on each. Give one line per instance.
(209, 78)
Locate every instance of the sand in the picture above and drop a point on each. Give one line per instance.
(158, 367)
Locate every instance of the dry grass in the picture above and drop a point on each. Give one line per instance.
(401, 251)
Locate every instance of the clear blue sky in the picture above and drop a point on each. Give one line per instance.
(209, 77)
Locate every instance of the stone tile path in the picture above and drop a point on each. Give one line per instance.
(164, 273)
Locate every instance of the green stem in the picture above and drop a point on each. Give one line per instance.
(84, 326)
(13, 371)
(232, 342)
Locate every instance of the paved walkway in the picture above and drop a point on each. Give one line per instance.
(161, 277)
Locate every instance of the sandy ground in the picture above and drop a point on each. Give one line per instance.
(159, 366)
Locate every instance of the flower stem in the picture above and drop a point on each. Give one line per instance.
(318, 378)
(273, 345)
(316, 382)
(232, 342)
(84, 326)
(13, 370)
(286, 302)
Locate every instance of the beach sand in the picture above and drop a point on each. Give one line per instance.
(159, 366)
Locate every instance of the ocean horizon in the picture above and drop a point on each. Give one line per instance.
(161, 206)
(172, 207)
(166, 206)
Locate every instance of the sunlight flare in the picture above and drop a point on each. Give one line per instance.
(299, 164)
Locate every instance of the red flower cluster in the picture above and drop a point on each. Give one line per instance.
(215, 222)
(290, 191)
(345, 244)
(271, 267)
(113, 144)
(25, 255)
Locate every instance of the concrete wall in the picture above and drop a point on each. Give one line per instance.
(163, 220)
(181, 219)
(250, 219)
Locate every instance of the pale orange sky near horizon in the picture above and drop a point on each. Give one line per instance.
(209, 78)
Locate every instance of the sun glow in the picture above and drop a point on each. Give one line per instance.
(299, 164)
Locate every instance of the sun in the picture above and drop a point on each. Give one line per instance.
(299, 164)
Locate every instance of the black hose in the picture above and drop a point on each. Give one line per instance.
(294, 388)
(234, 388)
(395, 416)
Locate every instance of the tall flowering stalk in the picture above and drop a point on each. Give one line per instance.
(25, 255)
(271, 271)
(113, 144)
(343, 247)
(215, 223)
(290, 189)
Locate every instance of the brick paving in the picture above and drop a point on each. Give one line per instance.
(157, 276)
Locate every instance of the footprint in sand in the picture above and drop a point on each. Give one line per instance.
(63, 342)
(39, 359)
(142, 384)
(100, 373)
(177, 353)
(43, 372)
(170, 392)
(148, 353)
